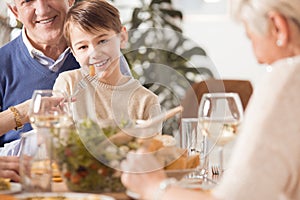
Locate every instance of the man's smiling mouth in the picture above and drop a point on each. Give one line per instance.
(46, 21)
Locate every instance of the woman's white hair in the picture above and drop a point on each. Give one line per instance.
(255, 12)
(10, 2)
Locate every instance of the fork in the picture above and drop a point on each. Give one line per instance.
(215, 170)
(82, 84)
(159, 118)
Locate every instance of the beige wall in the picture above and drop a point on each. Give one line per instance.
(4, 30)
(226, 44)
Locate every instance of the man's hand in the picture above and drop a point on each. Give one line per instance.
(9, 167)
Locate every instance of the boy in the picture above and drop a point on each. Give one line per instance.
(95, 35)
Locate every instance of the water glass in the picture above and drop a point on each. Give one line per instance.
(192, 140)
(36, 161)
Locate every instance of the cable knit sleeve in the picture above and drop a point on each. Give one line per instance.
(66, 81)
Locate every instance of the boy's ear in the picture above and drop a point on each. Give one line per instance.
(123, 37)
(71, 2)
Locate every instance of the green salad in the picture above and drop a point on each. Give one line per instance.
(89, 161)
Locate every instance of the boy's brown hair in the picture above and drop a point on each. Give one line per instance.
(92, 16)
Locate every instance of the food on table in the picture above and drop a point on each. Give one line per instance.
(56, 175)
(89, 160)
(89, 157)
(46, 198)
(4, 184)
(57, 197)
(6, 197)
(92, 70)
(167, 140)
(166, 152)
(176, 161)
(193, 161)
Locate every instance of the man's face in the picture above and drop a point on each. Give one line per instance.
(43, 19)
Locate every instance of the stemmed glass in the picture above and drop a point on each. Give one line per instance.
(49, 108)
(219, 117)
(49, 113)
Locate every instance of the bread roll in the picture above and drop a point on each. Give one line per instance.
(4, 184)
(168, 155)
(167, 140)
(151, 145)
(193, 161)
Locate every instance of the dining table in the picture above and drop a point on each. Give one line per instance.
(187, 182)
(61, 187)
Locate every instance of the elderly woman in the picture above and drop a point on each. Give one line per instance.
(265, 162)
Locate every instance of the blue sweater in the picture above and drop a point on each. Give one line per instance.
(20, 75)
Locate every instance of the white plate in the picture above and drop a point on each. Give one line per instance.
(179, 173)
(71, 195)
(14, 188)
(133, 195)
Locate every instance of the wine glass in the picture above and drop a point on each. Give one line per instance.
(219, 116)
(48, 113)
(49, 109)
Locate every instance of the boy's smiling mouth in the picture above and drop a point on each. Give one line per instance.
(101, 64)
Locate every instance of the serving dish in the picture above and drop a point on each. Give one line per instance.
(179, 174)
(62, 196)
(14, 188)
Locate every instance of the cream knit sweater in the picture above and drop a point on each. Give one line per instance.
(265, 162)
(106, 103)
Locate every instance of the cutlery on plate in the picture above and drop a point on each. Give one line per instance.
(215, 170)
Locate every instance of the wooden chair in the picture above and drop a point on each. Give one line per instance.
(193, 96)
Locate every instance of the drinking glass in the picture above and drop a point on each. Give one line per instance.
(219, 115)
(48, 113)
(196, 143)
(49, 109)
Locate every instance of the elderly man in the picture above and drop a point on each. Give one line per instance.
(35, 58)
(33, 61)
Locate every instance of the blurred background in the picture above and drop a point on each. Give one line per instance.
(174, 43)
(205, 22)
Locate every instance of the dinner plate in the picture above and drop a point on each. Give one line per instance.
(179, 173)
(70, 195)
(14, 188)
(133, 195)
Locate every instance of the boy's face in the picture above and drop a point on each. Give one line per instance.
(101, 49)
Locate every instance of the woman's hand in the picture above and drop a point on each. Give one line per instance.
(9, 167)
(141, 167)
